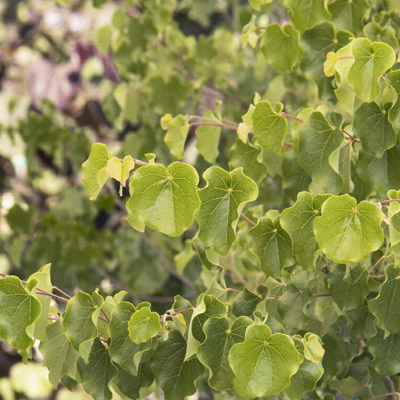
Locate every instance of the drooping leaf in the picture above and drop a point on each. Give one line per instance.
(173, 374)
(43, 282)
(249, 157)
(119, 169)
(144, 325)
(59, 356)
(371, 61)
(346, 231)
(305, 14)
(316, 141)
(297, 221)
(98, 373)
(222, 200)
(264, 362)
(269, 127)
(281, 47)
(208, 307)
(386, 306)
(85, 309)
(164, 199)
(94, 174)
(386, 353)
(175, 138)
(272, 245)
(208, 137)
(213, 352)
(19, 310)
(372, 126)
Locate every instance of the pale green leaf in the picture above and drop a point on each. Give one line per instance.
(43, 282)
(164, 199)
(264, 362)
(313, 350)
(175, 138)
(269, 127)
(208, 137)
(346, 231)
(119, 169)
(371, 61)
(144, 325)
(281, 47)
(94, 174)
(222, 200)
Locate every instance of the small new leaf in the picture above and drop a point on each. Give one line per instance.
(144, 325)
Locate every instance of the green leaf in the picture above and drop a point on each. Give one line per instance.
(208, 138)
(249, 157)
(256, 4)
(371, 61)
(386, 306)
(163, 199)
(19, 310)
(59, 356)
(213, 352)
(102, 38)
(316, 141)
(269, 127)
(281, 47)
(304, 380)
(348, 293)
(175, 138)
(381, 174)
(222, 200)
(175, 376)
(272, 245)
(98, 372)
(349, 14)
(292, 305)
(305, 14)
(43, 280)
(122, 350)
(79, 322)
(94, 174)
(144, 325)
(126, 384)
(346, 231)
(386, 353)
(119, 169)
(372, 126)
(297, 221)
(313, 350)
(264, 362)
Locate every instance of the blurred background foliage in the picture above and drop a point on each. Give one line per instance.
(74, 72)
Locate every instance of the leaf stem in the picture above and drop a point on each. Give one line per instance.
(388, 201)
(248, 220)
(292, 117)
(322, 295)
(350, 136)
(377, 263)
(295, 338)
(385, 395)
